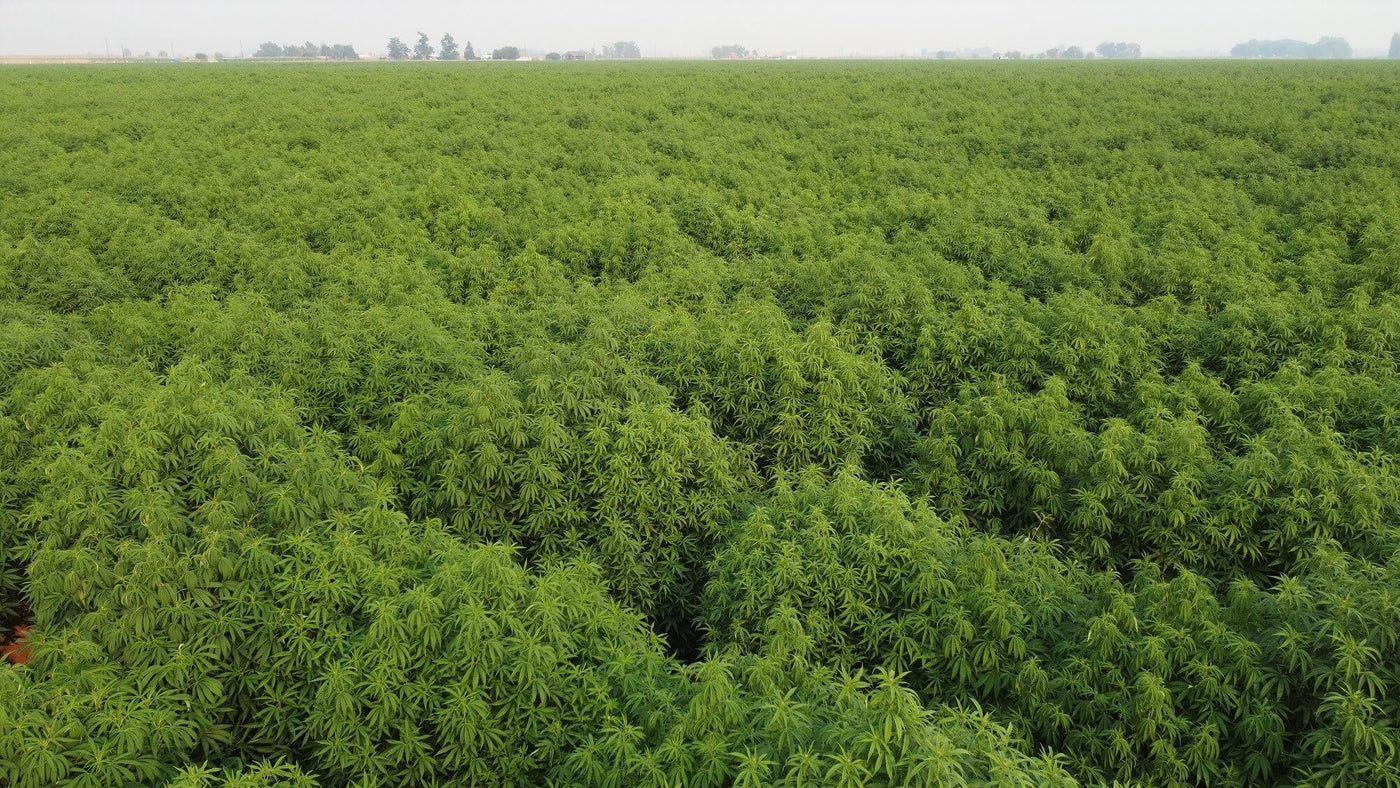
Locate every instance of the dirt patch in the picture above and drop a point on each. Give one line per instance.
(14, 646)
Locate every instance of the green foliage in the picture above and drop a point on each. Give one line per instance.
(1249, 481)
(570, 456)
(766, 424)
(749, 721)
(802, 398)
(261, 774)
(1167, 677)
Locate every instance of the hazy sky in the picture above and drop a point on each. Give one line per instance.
(811, 28)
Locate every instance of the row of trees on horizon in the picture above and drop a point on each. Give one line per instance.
(423, 49)
(1326, 47)
(308, 49)
(448, 49)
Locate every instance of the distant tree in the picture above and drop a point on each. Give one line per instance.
(1073, 53)
(268, 49)
(306, 49)
(201, 57)
(162, 53)
(1119, 50)
(1395, 46)
(469, 53)
(506, 53)
(1331, 47)
(1013, 55)
(422, 50)
(554, 56)
(728, 51)
(626, 49)
(323, 51)
(344, 52)
(448, 48)
(398, 50)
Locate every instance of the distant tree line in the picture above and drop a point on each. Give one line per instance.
(1108, 49)
(1121, 50)
(1326, 47)
(447, 49)
(1062, 53)
(308, 49)
(728, 51)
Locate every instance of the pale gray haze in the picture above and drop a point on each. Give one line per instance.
(816, 28)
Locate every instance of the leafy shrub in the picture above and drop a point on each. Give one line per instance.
(800, 398)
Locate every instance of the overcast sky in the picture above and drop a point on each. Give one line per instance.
(809, 28)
